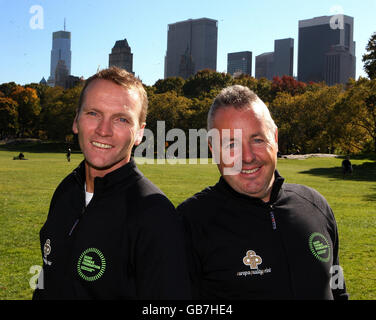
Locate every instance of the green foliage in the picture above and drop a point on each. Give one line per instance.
(358, 106)
(369, 58)
(206, 83)
(311, 117)
(169, 84)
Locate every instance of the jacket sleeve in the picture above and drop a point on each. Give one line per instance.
(40, 292)
(193, 242)
(337, 280)
(159, 254)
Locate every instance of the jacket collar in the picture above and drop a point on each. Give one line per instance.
(125, 175)
(224, 187)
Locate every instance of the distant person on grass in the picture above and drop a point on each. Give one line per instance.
(20, 156)
(110, 233)
(347, 166)
(69, 151)
(253, 236)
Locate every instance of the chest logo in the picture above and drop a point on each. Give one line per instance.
(47, 251)
(319, 247)
(252, 260)
(91, 264)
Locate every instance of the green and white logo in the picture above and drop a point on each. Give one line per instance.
(319, 246)
(91, 264)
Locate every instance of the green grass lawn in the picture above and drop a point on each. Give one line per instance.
(26, 188)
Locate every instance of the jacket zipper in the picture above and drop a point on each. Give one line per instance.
(77, 221)
(274, 223)
(83, 209)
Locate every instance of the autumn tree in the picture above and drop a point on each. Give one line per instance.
(28, 110)
(305, 120)
(8, 117)
(287, 84)
(358, 105)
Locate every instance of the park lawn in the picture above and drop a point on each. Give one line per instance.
(26, 188)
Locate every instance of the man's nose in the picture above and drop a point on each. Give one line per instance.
(248, 154)
(104, 128)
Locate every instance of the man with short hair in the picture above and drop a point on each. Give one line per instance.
(252, 236)
(110, 233)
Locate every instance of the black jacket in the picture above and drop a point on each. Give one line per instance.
(126, 244)
(243, 248)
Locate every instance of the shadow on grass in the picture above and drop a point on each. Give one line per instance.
(38, 147)
(371, 197)
(363, 172)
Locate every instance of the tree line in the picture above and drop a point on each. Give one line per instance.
(310, 117)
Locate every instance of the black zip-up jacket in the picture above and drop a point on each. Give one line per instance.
(126, 244)
(243, 248)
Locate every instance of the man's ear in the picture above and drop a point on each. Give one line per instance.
(276, 137)
(139, 134)
(210, 146)
(75, 124)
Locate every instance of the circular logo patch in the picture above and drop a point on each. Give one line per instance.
(91, 264)
(319, 246)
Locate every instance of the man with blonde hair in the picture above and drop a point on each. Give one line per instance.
(252, 236)
(110, 233)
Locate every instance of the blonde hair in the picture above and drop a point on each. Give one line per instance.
(122, 78)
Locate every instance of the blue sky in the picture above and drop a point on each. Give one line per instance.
(243, 25)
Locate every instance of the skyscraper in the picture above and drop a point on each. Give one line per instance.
(121, 56)
(265, 66)
(326, 49)
(191, 46)
(283, 57)
(61, 50)
(239, 63)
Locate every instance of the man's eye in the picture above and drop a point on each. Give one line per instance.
(92, 113)
(123, 120)
(231, 145)
(258, 140)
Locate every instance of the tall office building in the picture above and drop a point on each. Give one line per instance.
(121, 56)
(239, 63)
(326, 49)
(191, 47)
(265, 66)
(61, 50)
(283, 57)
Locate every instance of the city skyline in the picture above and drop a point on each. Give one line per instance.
(25, 57)
(191, 46)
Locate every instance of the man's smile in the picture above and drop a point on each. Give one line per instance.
(101, 145)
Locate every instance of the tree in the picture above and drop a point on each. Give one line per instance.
(168, 107)
(369, 58)
(28, 109)
(59, 111)
(287, 84)
(206, 83)
(8, 117)
(359, 107)
(305, 121)
(169, 84)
